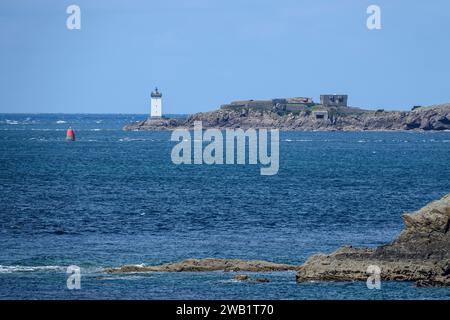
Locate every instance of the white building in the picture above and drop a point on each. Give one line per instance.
(156, 104)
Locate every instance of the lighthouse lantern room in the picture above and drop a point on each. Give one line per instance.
(156, 104)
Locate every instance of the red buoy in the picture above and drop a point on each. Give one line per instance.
(70, 135)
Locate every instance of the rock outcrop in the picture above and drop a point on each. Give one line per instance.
(155, 124)
(247, 279)
(421, 253)
(241, 277)
(344, 118)
(209, 264)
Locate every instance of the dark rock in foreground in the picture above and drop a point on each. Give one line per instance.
(421, 253)
(202, 265)
(340, 118)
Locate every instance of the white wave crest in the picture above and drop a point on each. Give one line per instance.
(16, 268)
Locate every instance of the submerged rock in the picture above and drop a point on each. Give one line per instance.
(246, 278)
(421, 253)
(209, 264)
(241, 277)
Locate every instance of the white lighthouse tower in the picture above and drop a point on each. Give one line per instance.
(156, 104)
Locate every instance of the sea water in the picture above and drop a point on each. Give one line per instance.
(114, 197)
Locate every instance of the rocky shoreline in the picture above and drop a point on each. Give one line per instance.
(338, 119)
(421, 254)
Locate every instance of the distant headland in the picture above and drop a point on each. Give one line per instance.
(300, 114)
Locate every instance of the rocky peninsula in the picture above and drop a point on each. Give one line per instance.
(421, 254)
(305, 117)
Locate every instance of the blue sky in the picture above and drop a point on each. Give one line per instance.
(204, 53)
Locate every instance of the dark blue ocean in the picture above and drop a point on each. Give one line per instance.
(114, 198)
